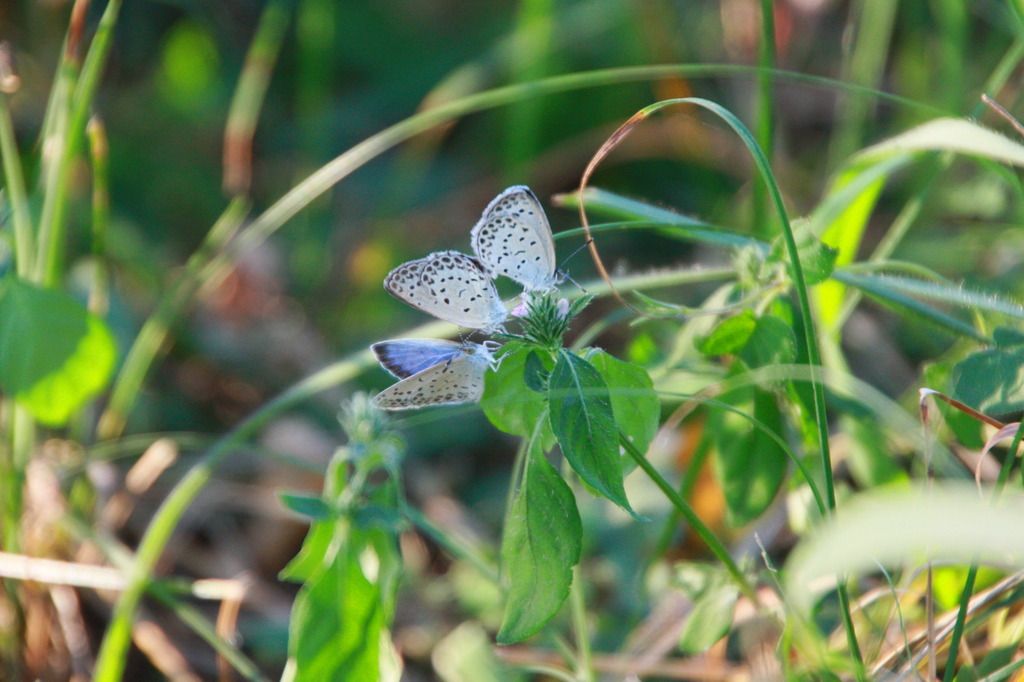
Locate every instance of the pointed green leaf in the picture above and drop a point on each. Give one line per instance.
(893, 526)
(1007, 337)
(311, 506)
(991, 381)
(311, 555)
(509, 403)
(772, 342)
(54, 355)
(535, 375)
(730, 335)
(714, 594)
(750, 465)
(951, 134)
(541, 544)
(883, 289)
(635, 405)
(584, 424)
(816, 258)
(336, 624)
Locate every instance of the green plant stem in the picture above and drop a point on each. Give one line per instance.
(960, 625)
(765, 111)
(168, 592)
(705, 533)
(864, 65)
(578, 604)
(686, 486)
(200, 625)
(99, 153)
(21, 217)
(455, 547)
(250, 94)
(201, 267)
(55, 200)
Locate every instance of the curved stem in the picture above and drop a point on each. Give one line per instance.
(705, 533)
(584, 662)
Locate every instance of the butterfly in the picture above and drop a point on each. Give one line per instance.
(513, 238)
(451, 286)
(405, 357)
(459, 378)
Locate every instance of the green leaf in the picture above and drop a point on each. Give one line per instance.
(511, 405)
(541, 544)
(991, 381)
(817, 258)
(870, 454)
(54, 355)
(535, 375)
(584, 424)
(714, 594)
(893, 526)
(311, 555)
(892, 290)
(466, 654)
(677, 225)
(951, 134)
(635, 405)
(336, 624)
(750, 465)
(655, 308)
(311, 506)
(1007, 337)
(730, 335)
(772, 342)
(950, 294)
(381, 517)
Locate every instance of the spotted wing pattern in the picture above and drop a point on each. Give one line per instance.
(458, 380)
(513, 238)
(451, 286)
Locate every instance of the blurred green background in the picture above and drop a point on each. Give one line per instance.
(348, 70)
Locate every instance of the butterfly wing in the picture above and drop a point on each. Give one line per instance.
(451, 286)
(460, 380)
(513, 238)
(405, 357)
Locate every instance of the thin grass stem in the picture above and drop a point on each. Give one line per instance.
(710, 539)
(21, 216)
(249, 96)
(153, 335)
(55, 201)
(578, 605)
(960, 625)
(765, 111)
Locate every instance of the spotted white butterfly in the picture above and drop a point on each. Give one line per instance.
(458, 379)
(405, 357)
(513, 238)
(451, 286)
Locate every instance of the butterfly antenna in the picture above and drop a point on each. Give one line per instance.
(562, 273)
